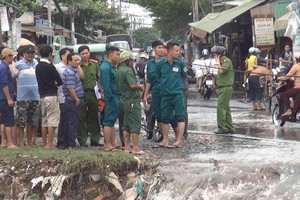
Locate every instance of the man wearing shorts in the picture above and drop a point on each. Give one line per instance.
(6, 98)
(27, 114)
(130, 101)
(111, 96)
(170, 71)
(48, 79)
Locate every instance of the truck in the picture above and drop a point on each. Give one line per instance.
(122, 41)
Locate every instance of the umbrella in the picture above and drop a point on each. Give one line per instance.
(282, 22)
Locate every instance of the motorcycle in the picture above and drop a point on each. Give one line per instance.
(279, 108)
(208, 85)
(150, 123)
(205, 70)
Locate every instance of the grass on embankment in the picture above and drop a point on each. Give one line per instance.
(70, 160)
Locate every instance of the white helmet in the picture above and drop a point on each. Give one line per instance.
(144, 55)
(205, 52)
(252, 50)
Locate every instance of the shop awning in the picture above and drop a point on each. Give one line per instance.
(213, 21)
(282, 22)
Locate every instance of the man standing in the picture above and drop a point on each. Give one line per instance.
(111, 97)
(89, 121)
(152, 83)
(48, 79)
(74, 94)
(62, 126)
(171, 71)
(130, 101)
(225, 80)
(7, 98)
(27, 114)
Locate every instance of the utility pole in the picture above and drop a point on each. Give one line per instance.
(49, 20)
(1, 35)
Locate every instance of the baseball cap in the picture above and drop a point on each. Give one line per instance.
(7, 52)
(29, 48)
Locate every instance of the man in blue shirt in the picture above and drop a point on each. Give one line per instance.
(73, 92)
(111, 96)
(7, 98)
(28, 112)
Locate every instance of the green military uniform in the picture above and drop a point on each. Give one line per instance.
(155, 88)
(130, 99)
(111, 93)
(171, 88)
(225, 89)
(89, 121)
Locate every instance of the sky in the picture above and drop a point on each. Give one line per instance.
(135, 13)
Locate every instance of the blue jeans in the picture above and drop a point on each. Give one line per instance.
(63, 126)
(72, 112)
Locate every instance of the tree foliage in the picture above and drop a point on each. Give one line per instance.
(142, 35)
(173, 16)
(94, 15)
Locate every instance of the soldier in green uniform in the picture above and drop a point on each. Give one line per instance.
(111, 97)
(171, 71)
(129, 88)
(225, 80)
(89, 121)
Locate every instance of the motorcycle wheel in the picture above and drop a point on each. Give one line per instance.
(276, 118)
(157, 135)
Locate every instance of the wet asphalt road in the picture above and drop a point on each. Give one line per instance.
(260, 161)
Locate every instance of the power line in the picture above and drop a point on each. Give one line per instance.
(52, 24)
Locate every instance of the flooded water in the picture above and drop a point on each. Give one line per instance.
(251, 169)
(261, 161)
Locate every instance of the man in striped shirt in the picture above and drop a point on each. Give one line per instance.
(73, 92)
(27, 114)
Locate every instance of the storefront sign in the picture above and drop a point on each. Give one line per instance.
(264, 31)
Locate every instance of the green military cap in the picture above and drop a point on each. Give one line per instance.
(125, 55)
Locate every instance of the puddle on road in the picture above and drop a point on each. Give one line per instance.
(262, 169)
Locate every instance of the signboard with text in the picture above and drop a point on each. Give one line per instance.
(264, 31)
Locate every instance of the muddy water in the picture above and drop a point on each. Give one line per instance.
(261, 161)
(252, 169)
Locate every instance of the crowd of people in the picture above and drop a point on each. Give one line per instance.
(36, 92)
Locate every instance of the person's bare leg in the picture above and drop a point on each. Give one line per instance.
(51, 131)
(34, 133)
(254, 105)
(21, 136)
(180, 129)
(258, 105)
(10, 144)
(126, 142)
(288, 113)
(107, 138)
(3, 137)
(135, 141)
(15, 135)
(113, 140)
(165, 131)
(176, 132)
(44, 136)
(29, 131)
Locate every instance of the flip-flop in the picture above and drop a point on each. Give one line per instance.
(111, 150)
(172, 146)
(139, 153)
(261, 109)
(158, 146)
